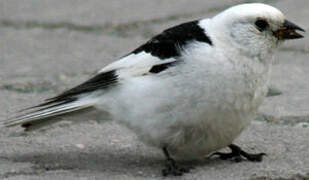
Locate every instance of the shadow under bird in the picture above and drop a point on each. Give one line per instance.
(189, 91)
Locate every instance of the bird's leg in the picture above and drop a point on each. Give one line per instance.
(237, 154)
(171, 166)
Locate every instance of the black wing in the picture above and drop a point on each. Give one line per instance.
(99, 81)
(169, 42)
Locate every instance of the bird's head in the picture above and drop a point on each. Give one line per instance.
(255, 26)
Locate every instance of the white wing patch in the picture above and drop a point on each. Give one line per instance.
(135, 65)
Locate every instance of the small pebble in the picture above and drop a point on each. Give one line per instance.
(80, 146)
(302, 125)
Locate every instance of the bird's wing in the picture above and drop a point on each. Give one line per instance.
(157, 55)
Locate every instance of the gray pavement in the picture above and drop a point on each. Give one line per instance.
(47, 46)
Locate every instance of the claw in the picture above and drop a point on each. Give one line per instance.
(171, 167)
(238, 154)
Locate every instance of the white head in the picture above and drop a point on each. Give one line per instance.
(254, 27)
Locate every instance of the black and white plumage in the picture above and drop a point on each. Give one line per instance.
(169, 43)
(190, 90)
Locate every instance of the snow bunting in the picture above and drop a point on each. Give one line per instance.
(190, 90)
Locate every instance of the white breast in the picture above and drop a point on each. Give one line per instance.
(194, 109)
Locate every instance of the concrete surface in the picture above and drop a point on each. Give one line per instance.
(47, 46)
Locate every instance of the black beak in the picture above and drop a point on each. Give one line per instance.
(288, 31)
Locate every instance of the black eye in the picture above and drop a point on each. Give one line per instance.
(261, 24)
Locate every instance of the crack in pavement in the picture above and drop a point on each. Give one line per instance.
(29, 87)
(294, 177)
(284, 120)
(304, 50)
(20, 173)
(36, 170)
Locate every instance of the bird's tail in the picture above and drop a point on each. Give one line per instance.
(76, 100)
(48, 113)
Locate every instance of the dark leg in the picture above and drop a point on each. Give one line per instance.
(237, 155)
(171, 166)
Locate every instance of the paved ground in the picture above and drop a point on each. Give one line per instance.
(47, 46)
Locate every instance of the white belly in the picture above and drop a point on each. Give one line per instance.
(191, 118)
(210, 134)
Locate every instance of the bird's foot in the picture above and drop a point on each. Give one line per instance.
(238, 154)
(171, 168)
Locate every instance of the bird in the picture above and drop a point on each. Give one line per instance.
(188, 91)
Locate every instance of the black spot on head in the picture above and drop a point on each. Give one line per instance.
(261, 24)
(169, 43)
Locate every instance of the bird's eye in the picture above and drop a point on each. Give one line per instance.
(261, 24)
